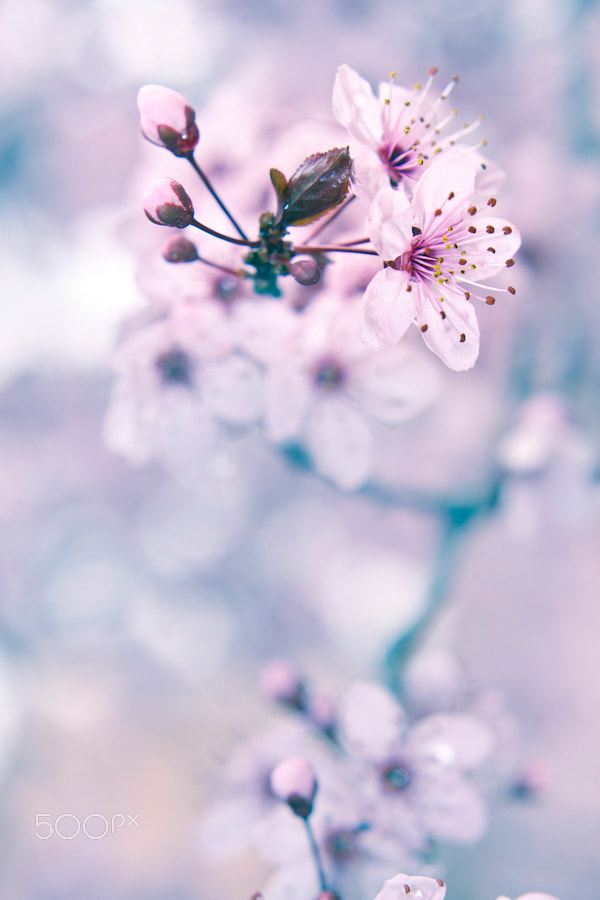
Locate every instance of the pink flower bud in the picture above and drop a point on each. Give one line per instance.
(323, 712)
(294, 782)
(280, 681)
(167, 119)
(305, 270)
(179, 249)
(167, 203)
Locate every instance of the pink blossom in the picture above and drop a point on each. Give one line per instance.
(167, 119)
(167, 203)
(437, 252)
(398, 132)
(293, 781)
(326, 386)
(281, 681)
(417, 774)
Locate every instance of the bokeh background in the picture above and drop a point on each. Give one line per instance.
(136, 607)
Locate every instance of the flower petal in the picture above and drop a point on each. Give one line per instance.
(394, 384)
(453, 810)
(418, 886)
(388, 307)
(356, 107)
(453, 173)
(455, 740)
(390, 223)
(339, 441)
(371, 722)
(455, 338)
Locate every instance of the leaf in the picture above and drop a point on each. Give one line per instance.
(279, 183)
(318, 185)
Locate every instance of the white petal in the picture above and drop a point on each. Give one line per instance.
(371, 722)
(232, 389)
(287, 400)
(419, 885)
(339, 441)
(390, 223)
(454, 172)
(443, 336)
(456, 740)
(505, 246)
(394, 385)
(453, 811)
(388, 307)
(356, 107)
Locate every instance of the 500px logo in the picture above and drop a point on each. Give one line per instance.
(95, 826)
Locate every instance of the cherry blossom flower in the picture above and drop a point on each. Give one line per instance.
(166, 202)
(437, 252)
(417, 774)
(399, 132)
(412, 887)
(327, 388)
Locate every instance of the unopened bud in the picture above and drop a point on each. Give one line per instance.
(167, 203)
(280, 681)
(167, 119)
(294, 782)
(179, 249)
(323, 712)
(328, 895)
(305, 270)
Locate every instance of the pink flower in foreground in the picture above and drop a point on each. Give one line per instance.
(417, 775)
(412, 887)
(327, 386)
(166, 202)
(437, 252)
(398, 132)
(167, 119)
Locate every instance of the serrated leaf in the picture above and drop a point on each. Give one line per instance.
(318, 185)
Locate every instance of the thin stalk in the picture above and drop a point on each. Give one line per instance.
(239, 273)
(323, 224)
(335, 249)
(198, 170)
(316, 856)
(224, 237)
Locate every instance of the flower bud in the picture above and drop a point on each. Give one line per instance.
(179, 249)
(280, 681)
(323, 712)
(294, 782)
(305, 270)
(167, 203)
(167, 119)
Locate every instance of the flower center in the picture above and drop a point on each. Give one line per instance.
(397, 161)
(174, 367)
(395, 777)
(328, 375)
(226, 288)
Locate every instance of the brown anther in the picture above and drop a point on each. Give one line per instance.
(507, 229)
(490, 300)
(492, 201)
(472, 210)
(490, 229)
(512, 290)
(467, 295)
(438, 212)
(440, 882)
(451, 195)
(463, 338)
(442, 314)
(424, 328)
(409, 289)
(491, 249)
(472, 229)
(433, 71)
(510, 262)
(406, 889)
(462, 262)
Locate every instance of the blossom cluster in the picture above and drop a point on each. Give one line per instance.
(273, 333)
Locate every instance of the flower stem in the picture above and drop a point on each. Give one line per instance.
(323, 224)
(316, 856)
(224, 237)
(239, 273)
(198, 170)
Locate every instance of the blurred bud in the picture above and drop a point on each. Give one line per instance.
(167, 119)
(294, 782)
(179, 249)
(280, 681)
(532, 781)
(305, 270)
(167, 203)
(328, 895)
(323, 712)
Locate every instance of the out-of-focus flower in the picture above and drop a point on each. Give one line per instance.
(179, 249)
(398, 132)
(167, 119)
(166, 202)
(281, 681)
(437, 253)
(417, 774)
(327, 386)
(534, 896)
